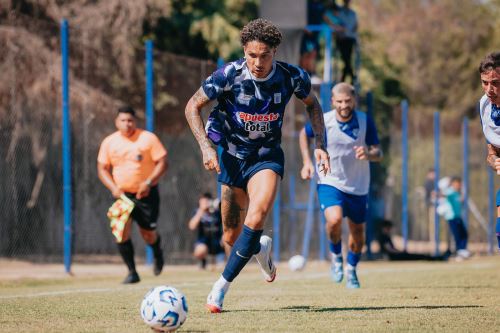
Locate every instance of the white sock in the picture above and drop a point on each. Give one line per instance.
(223, 284)
(351, 267)
(335, 256)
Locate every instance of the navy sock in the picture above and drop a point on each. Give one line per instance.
(336, 248)
(247, 244)
(498, 231)
(353, 258)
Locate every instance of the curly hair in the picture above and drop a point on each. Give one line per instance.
(261, 30)
(491, 61)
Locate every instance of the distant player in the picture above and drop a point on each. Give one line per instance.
(489, 110)
(251, 96)
(352, 142)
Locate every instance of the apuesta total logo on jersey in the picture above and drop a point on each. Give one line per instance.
(258, 122)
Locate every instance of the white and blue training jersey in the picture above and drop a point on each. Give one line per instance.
(248, 116)
(490, 120)
(348, 174)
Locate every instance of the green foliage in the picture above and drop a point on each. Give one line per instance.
(432, 48)
(202, 29)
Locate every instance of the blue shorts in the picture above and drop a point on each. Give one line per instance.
(353, 206)
(237, 173)
(498, 198)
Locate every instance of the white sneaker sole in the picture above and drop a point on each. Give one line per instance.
(267, 267)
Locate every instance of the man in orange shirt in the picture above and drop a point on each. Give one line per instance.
(131, 162)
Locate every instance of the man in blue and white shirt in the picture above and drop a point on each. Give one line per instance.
(352, 142)
(251, 96)
(489, 110)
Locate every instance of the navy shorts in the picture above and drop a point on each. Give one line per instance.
(353, 206)
(237, 173)
(214, 245)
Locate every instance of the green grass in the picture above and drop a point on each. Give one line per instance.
(445, 297)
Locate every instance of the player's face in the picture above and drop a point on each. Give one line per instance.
(344, 104)
(125, 123)
(259, 57)
(491, 85)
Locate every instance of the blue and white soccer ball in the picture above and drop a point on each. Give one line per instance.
(164, 308)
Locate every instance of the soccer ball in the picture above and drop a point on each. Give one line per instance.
(164, 308)
(296, 263)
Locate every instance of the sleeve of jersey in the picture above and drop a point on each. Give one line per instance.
(157, 149)
(103, 156)
(302, 82)
(216, 83)
(371, 138)
(309, 130)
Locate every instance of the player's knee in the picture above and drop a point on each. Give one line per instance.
(229, 236)
(200, 251)
(255, 219)
(149, 236)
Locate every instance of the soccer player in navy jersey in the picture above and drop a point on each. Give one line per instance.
(251, 96)
(351, 142)
(489, 110)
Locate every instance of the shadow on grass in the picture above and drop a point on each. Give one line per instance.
(307, 308)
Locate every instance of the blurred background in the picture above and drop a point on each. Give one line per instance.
(424, 51)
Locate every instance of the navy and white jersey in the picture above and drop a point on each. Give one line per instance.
(248, 116)
(490, 120)
(348, 174)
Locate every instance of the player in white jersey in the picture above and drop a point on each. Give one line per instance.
(251, 95)
(489, 110)
(352, 142)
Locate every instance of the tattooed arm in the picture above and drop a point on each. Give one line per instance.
(318, 124)
(193, 116)
(492, 158)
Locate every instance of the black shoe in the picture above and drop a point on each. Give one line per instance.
(132, 277)
(158, 265)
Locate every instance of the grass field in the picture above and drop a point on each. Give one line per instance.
(419, 297)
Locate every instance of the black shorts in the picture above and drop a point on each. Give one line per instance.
(146, 210)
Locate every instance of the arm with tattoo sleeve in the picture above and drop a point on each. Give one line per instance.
(193, 116)
(318, 124)
(492, 156)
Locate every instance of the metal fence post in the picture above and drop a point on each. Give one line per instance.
(150, 120)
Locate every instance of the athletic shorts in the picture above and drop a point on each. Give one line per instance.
(237, 173)
(214, 245)
(498, 198)
(353, 206)
(146, 210)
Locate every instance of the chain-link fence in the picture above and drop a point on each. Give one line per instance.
(104, 76)
(421, 148)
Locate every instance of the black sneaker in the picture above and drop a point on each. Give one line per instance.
(132, 277)
(158, 265)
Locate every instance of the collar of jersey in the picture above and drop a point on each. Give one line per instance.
(264, 78)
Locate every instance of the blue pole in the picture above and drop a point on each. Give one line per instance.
(369, 218)
(276, 225)
(220, 63)
(327, 71)
(436, 187)
(322, 235)
(309, 219)
(491, 209)
(150, 117)
(465, 207)
(149, 87)
(404, 182)
(292, 215)
(66, 146)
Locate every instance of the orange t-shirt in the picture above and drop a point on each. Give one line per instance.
(132, 158)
